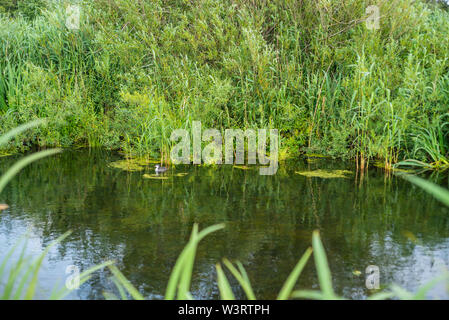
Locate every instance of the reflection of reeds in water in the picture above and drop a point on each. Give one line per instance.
(22, 279)
(131, 203)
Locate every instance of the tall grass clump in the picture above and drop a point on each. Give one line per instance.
(431, 146)
(135, 70)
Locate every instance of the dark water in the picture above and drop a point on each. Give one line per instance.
(144, 224)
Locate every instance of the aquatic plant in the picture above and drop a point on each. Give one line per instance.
(126, 165)
(325, 174)
(432, 142)
(154, 176)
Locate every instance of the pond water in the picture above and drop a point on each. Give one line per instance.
(143, 224)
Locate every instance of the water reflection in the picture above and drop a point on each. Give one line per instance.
(143, 224)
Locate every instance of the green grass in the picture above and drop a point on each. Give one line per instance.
(11, 172)
(432, 143)
(137, 70)
(179, 283)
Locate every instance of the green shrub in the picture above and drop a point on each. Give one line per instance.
(136, 70)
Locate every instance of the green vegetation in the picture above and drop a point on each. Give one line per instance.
(325, 174)
(433, 142)
(136, 70)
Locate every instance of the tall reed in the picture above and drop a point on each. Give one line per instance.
(135, 71)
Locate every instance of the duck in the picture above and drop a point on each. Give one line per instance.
(160, 169)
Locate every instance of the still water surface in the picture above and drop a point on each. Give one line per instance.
(143, 224)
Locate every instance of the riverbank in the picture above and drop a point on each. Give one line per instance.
(135, 71)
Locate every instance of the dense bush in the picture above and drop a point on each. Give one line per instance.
(135, 70)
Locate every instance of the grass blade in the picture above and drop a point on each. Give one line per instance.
(423, 290)
(19, 165)
(241, 278)
(438, 192)
(18, 130)
(180, 276)
(324, 274)
(401, 293)
(125, 283)
(308, 294)
(37, 264)
(287, 288)
(187, 269)
(223, 285)
(84, 276)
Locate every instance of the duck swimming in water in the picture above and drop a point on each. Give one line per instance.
(160, 169)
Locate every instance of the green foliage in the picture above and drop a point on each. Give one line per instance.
(136, 70)
(8, 5)
(30, 9)
(431, 146)
(179, 282)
